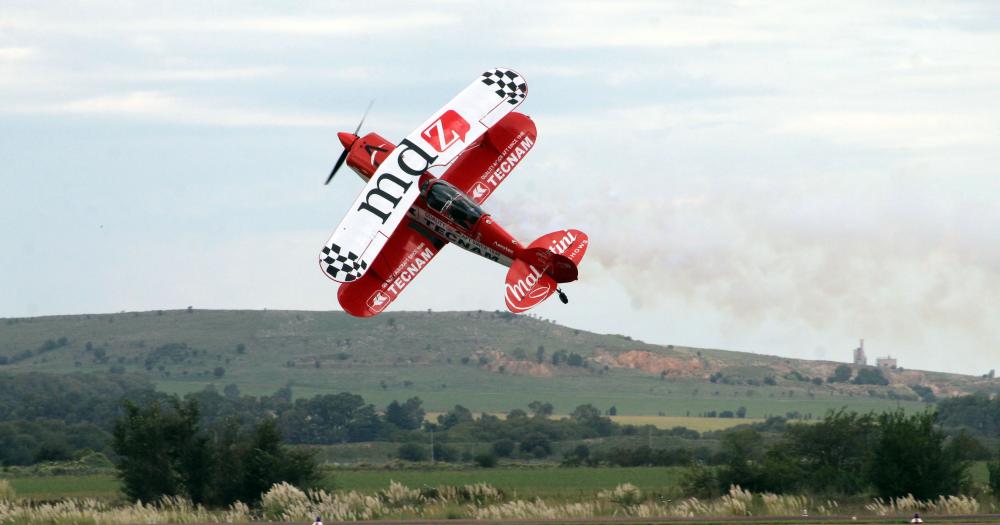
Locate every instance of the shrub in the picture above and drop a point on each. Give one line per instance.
(994, 469)
(485, 460)
(412, 452)
(503, 448)
(536, 444)
(700, 481)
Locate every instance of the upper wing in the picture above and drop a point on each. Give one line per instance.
(405, 254)
(383, 203)
(482, 167)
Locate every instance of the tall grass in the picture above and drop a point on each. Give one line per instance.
(952, 505)
(284, 502)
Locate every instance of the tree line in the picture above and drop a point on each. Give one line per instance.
(889, 454)
(163, 448)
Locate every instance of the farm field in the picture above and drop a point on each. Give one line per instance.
(700, 424)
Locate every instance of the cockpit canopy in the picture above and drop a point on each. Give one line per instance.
(449, 201)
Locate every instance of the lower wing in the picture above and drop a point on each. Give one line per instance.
(406, 254)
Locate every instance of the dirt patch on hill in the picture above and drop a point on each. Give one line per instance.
(652, 363)
(503, 363)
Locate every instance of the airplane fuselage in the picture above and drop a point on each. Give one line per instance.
(481, 236)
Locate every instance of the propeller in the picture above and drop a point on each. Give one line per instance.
(347, 141)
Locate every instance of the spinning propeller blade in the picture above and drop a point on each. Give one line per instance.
(348, 140)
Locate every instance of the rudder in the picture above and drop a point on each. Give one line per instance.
(538, 269)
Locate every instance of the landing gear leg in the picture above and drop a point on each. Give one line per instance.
(562, 296)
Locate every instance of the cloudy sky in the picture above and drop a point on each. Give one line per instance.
(782, 178)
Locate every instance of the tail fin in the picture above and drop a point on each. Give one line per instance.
(539, 268)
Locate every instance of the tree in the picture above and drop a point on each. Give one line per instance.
(408, 415)
(979, 413)
(842, 374)
(589, 416)
(577, 456)
(485, 460)
(163, 452)
(516, 414)
(412, 452)
(909, 457)
(218, 372)
(540, 409)
(156, 448)
(456, 415)
(503, 447)
(742, 449)
(967, 448)
(331, 418)
(700, 482)
(925, 392)
(266, 462)
(445, 453)
(870, 376)
(536, 444)
(741, 412)
(833, 454)
(150, 442)
(994, 468)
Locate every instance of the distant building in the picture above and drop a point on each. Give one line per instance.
(859, 355)
(886, 362)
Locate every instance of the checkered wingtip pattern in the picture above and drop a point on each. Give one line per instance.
(508, 84)
(343, 267)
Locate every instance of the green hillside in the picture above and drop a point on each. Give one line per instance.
(486, 361)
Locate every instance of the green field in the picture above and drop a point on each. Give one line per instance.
(545, 482)
(104, 486)
(557, 483)
(485, 361)
(701, 424)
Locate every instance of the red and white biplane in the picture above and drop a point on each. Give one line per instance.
(405, 215)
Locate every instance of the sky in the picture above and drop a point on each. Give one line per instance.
(775, 177)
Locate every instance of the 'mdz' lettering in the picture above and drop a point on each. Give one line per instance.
(387, 197)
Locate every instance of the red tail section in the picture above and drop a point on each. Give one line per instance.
(539, 268)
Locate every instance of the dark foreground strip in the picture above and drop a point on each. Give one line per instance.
(971, 519)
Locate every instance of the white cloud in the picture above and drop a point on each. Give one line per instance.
(896, 130)
(162, 107)
(199, 74)
(636, 24)
(388, 23)
(12, 54)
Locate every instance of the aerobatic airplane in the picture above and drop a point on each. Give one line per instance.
(405, 215)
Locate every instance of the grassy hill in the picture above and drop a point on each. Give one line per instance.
(486, 361)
